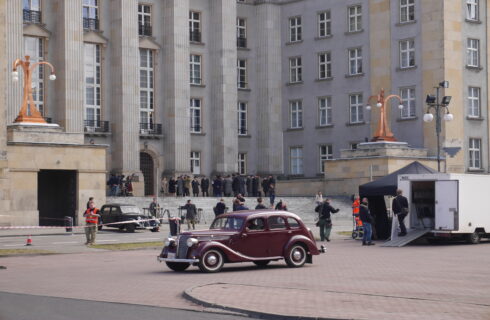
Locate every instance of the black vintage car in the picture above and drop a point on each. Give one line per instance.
(113, 213)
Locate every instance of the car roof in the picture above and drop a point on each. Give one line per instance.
(119, 205)
(261, 213)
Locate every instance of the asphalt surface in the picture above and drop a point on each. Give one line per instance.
(30, 307)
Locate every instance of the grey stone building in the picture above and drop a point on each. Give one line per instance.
(256, 86)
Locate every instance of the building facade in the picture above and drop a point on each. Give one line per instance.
(252, 86)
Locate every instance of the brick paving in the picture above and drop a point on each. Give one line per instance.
(349, 282)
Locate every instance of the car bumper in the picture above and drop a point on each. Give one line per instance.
(177, 260)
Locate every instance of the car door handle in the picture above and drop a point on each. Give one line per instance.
(290, 232)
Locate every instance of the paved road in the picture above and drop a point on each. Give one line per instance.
(349, 282)
(29, 307)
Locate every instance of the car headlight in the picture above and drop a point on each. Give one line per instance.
(169, 242)
(191, 242)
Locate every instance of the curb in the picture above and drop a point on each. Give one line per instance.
(187, 294)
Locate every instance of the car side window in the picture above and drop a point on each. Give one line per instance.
(106, 210)
(256, 224)
(276, 223)
(293, 223)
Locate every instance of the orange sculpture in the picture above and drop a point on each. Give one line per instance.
(383, 132)
(28, 111)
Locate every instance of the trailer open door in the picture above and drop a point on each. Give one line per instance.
(446, 205)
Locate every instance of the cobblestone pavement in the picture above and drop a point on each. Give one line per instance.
(348, 282)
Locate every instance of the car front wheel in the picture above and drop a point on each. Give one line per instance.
(178, 266)
(296, 256)
(211, 261)
(130, 228)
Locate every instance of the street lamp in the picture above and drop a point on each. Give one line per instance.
(433, 103)
(383, 133)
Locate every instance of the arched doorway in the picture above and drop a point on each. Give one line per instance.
(147, 168)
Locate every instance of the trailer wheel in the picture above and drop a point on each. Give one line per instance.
(354, 235)
(473, 238)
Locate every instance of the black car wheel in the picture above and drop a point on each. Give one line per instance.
(156, 229)
(211, 261)
(99, 227)
(296, 256)
(262, 263)
(178, 266)
(130, 228)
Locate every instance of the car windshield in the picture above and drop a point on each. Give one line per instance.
(130, 209)
(227, 223)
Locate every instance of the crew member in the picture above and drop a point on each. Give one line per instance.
(91, 219)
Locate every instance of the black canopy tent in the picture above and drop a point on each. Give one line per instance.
(386, 186)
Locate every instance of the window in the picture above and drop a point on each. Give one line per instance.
(34, 48)
(195, 69)
(194, 26)
(326, 153)
(407, 11)
(276, 223)
(92, 73)
(356, 108)
(474, 102)
(32, 11)
(242, 163)
(241, 33)
(296, 114)
(475, 153)
(91, 14)
(407, 53)
(408, 102)
(355, 18)
(256, 224)
(295, 70)
(472, 10)
(195, 162)
(295, 29)
(353, 145)
(325, 111)
(293, 223)
(242, 118)
(146, 89)
(324, 24)
(473, 53)
(355, 61)
(296, 158)
(242, 74)
(196, 115)
(324, 65)
(144, 20)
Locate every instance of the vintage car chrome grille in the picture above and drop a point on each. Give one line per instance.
(182, 247)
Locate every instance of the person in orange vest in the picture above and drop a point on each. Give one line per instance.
(91, 219)
(355, 210)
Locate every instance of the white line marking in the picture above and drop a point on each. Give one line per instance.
(13, 245)
(148, 239)
(64, 242)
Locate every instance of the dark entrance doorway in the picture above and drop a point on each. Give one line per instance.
(146, 167)
(56, 196)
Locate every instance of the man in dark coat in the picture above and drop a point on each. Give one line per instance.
(400, 209)
(265, 186)
(220, 207)
(195, 187)
(235, 184)
(172, 184)
(325, 220)
(217, 187)
(242, 188)
(205, 186)
(248, 182)
(260, 204)
(255, 186)
(227, 189)
(367, 219)
(190, 215)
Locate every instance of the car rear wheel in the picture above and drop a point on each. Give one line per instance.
(178, 266)
(130, 228)
(99, 227)
(296, 256)
(262, 263)
(211, 261)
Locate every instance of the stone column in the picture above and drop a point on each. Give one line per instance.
(176, 123)
(125, 86)
(14, 42)
(223, 100)
(269, 90)
(68, 62)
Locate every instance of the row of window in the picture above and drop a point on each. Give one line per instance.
(196, 162)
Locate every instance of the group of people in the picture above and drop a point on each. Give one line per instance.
(120, 185)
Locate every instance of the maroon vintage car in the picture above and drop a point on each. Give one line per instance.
(245, 236)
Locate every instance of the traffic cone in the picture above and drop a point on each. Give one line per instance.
(29, 241)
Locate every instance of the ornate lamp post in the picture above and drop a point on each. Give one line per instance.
(383, 133)
(433, 103)
(28, 111)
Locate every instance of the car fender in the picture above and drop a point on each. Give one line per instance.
(312, 249)
(230, 254)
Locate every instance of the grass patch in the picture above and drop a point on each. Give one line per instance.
(345, 233)
(18, 252)
(128, 246)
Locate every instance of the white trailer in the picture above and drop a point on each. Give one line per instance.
(443, 206)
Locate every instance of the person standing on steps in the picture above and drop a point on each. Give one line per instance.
(367, 219)
(400, 209)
